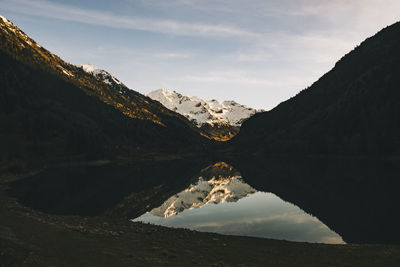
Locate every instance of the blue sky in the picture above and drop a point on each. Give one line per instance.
(257, 52)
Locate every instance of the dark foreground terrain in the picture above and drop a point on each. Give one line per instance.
(32, 238)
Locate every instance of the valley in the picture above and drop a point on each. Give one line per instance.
(95, 173)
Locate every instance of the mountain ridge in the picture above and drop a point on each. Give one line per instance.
(216, 120)
(220, 120)
(50, 107)
(353, 109)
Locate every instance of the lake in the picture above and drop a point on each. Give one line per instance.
(331, 201)
(259, 215)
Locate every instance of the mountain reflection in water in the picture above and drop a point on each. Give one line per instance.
(225, 185)
(356, 198)
(225, 204)
(204, 192)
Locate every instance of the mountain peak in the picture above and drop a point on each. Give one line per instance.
(11, 30)
(4, 19)
(101, 74)
(90, 68)
(104, 76)
(64, 110)
(221, 121)
(202, 111)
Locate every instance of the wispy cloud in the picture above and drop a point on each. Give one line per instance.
(94, 17)
(255, 7)
(323, 8)
(242, 78)
(225, 77)
(259, 51)
(172, 55)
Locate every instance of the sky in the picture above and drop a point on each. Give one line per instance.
(256, 52)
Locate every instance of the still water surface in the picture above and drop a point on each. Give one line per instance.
(229, 206)
(298, 199)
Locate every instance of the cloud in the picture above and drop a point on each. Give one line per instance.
(94, 17)
(254, 7)
(242, 78)
(225, 77)
(172, 55)
(288, 44)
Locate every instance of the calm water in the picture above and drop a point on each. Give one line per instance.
(326, 201)
(258, 214)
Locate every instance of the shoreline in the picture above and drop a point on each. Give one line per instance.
(32, 238)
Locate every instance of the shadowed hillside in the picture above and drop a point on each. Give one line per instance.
(353, 109)
(50, 108)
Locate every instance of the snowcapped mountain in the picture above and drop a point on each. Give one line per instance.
(216, 190)
(200, 111)
(86, 113)
(105, 77)
(220, 120)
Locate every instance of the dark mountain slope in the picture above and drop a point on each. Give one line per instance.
(353, 109)
(51, 108)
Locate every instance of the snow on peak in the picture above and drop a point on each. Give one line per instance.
(215, 190)
(4, 19)
(102, 75)
(89, 68)
(9, 28)
(8, 24)
(200, 111)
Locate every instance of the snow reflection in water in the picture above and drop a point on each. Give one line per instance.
(226, 204)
